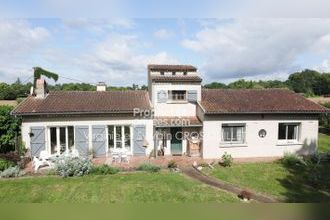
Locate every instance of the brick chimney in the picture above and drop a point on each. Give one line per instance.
(41, 90)
(101, 87)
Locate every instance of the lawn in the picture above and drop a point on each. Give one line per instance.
(324, 143)
(119, 188)
(285, 183)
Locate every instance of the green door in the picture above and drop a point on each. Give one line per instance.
(176, 141)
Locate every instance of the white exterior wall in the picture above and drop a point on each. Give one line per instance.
(174, 109)
(90, 121)
(256, 146)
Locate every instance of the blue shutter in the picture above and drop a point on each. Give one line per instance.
(192, 96)
(139, 134)
(162, 96)
(37, 140)
(99, 140)
(81, 139)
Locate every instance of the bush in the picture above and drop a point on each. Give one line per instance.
(227, 160)
(149, 168)
(12, 172)
(172, 164)
(291, 160)
(68, 166)
(104, 170)
(5, 164)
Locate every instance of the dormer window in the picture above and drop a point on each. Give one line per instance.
(185, 73)
(173, 73)
(162, 73)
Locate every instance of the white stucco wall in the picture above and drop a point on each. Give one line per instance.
(256, 146)
(90, 121)
(174, 109)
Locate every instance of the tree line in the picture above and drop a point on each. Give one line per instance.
(309, 82)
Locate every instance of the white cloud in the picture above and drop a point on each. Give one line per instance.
(18, 43)
(163, 34)
(324, 67)
(118, 60)
(252, 47)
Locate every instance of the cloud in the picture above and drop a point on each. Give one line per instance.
(163, 34)
(324, 67)
(118, 60)
(19, 41)
(254, 47)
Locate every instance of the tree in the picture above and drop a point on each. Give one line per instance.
(9, 127)
(215, 85)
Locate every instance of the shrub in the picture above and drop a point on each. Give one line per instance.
(68, 166)
(149, 168)
(104, 170)
(291, 160)
(5, 164)
(12, 172)
(172, 164)
(227, 160)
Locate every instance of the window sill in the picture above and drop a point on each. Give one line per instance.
(177, 102)
(229, 145)
(288, 143)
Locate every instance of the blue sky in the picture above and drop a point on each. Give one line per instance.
(91, 47)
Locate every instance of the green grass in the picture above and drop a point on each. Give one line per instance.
(274, 179)
(118, 188)
(324, 143)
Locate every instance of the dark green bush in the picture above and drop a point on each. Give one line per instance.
(149, 168)
(5, 164)
(104, 170)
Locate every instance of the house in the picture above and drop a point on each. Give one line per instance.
(174, 117)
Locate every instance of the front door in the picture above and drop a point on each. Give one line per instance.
(176, 141)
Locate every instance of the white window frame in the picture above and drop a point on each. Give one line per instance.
(58, 143)
(286, 140)
(122, 137)
(231, 126)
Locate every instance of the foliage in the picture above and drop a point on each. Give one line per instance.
(310, 82)
(69, 166)
(148, 167)
(325, 118)
(9, 127)
(215, 85)
(324, 143)
(4, 164)
(38, 72)
(227, 160)
(104, 170)
(172, 164)
(292, 160)
(12, 172)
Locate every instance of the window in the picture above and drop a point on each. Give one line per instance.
(233, 133)
(178, 95)
(61, 139)
(173, 73)
(184, 73)
(288, 131)
(119, 137)
(162, 73)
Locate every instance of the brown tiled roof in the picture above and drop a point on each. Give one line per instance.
(177, 122)
(170, 68)
(82, 102)
(223, 101)
(176, 78)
